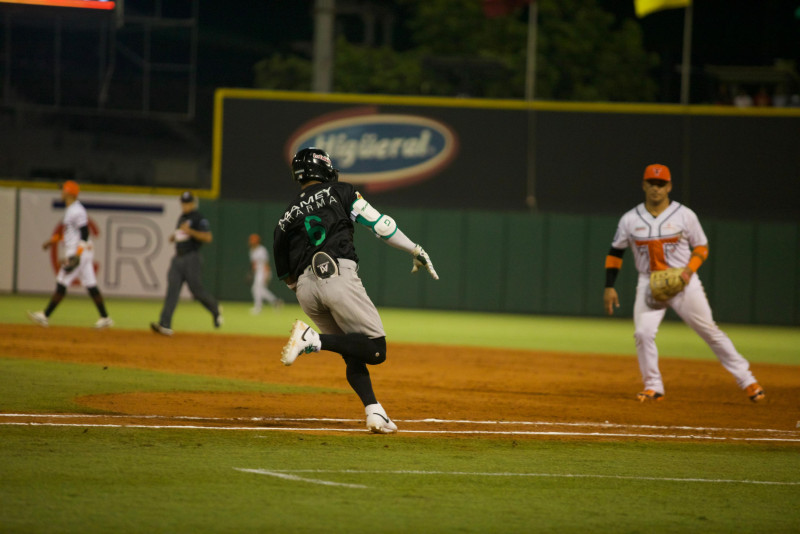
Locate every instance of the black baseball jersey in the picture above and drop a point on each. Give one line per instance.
(196, 222)
(317, 220)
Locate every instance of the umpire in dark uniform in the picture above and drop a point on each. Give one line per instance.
(192, 231)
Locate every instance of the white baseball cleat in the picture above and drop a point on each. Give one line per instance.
(377, 420)
(104, 322)
(158, 329)
(39, 318)
(303, 339)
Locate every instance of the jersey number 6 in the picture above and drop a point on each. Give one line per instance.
(316, 233)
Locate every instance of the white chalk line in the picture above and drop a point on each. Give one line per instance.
(277, 472)
(429, 420)
(286, 476)
(443, 432)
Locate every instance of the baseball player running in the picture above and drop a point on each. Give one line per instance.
(665, 234)
(315, 256)
(193, 229)
(79, 254)
(259, 265)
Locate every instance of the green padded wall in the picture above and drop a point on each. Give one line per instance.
(524, 263)
(566, 261)
(731, 259)
(446, 241)
(483, 270)
(775, 278)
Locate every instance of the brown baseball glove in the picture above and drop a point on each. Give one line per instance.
(667, 283)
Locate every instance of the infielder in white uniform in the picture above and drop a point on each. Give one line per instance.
(79, 258)
(262, 274)
(665, 234)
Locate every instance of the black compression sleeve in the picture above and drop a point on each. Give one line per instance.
(611, 277)
(85, 233)
(612, 272)
(618, 252)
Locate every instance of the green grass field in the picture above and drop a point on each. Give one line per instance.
(98, 479)
(765, 344)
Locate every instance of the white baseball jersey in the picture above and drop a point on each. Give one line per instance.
(660, 242)
(75, 218)
(259, 258)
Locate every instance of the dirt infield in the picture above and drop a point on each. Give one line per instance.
(541, 393)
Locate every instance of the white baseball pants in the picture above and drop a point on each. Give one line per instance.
(260, 291)
(84, 271)
(692, 306)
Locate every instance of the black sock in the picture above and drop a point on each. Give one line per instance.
(52, 305)
(98, 301)
(359, 380)
(57, 297)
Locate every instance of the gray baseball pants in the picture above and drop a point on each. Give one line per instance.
(339, 305)
(186, 268)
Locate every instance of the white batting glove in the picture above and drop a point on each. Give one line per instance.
(421, 259)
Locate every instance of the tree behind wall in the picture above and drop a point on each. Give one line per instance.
(584, 54)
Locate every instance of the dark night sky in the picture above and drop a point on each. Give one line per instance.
(725, 32)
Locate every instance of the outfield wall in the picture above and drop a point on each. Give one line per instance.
(130, 234)
(510, 155)
(488, 261)
(527, 263)
(8, 217)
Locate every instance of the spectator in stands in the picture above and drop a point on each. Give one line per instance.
(723, 96)
(762, 98)
(742, 99)
(781, 97)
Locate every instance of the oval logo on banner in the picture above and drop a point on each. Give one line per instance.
(380, 151)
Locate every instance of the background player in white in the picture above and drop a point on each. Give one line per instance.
(664, 234)
(78, 258)
(262, 274)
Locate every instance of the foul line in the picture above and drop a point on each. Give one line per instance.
(446, 432)
(285, 474)
(429, 420)
(698, 433)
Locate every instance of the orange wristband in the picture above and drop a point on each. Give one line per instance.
(699, 255)
(613, 262)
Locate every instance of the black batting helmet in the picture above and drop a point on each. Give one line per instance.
(313, 164)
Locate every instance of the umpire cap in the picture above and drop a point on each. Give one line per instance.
(187, 196)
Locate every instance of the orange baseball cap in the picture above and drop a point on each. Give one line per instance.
(254, 239)
(657, 171)
(71, 187)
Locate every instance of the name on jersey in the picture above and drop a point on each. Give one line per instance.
(381, 151)
(320, 199)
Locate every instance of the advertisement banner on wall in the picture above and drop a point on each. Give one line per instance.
(130, 235)
(418, 153)
(8, 215)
